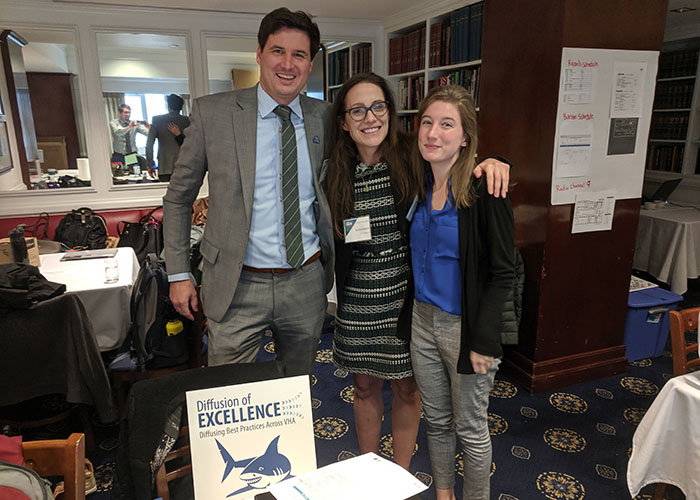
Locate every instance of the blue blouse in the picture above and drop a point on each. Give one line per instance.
(435, 256)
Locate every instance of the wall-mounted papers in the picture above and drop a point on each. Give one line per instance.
(593, 212)
(248, 437)
(368, 476)
(603, 119)
(627, 93)
(574, 148)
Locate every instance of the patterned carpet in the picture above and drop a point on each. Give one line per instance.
(568, 444)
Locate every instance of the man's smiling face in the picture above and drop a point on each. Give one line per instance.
(285, 64)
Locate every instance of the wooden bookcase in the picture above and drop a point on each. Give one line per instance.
(441, 49)
(675, 124)
(343, 60)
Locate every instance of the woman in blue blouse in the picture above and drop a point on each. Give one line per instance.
(367, 178)
(462, 258)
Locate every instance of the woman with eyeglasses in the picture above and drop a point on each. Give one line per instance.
(462, 253)
(370, 189)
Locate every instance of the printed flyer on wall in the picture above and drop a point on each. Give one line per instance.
(248, 437)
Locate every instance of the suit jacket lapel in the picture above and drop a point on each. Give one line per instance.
(314, 130)
(244, 122)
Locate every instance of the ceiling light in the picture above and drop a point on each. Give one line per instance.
(682, 10)
(174, 46)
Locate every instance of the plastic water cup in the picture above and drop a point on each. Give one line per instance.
(111, 271)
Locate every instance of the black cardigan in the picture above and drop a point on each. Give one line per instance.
(487, 261)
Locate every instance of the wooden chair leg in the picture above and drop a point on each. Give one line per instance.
(87, 427)
(659, 491)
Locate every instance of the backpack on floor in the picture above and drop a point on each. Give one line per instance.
(17, 478)
(82, 229)
(158, 336)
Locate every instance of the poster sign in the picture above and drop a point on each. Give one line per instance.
(603, 118)
(248, 437)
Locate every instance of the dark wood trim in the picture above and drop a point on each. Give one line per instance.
(552, 374)
(13, 105)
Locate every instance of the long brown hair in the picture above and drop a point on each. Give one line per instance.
(461, 173)
(343, 155)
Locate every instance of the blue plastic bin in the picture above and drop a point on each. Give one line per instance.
(647, 326)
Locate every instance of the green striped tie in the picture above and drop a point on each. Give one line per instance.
(290, 190)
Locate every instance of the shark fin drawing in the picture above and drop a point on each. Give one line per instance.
(229, 461)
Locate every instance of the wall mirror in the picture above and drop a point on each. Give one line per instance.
(138, 72)
(52, 131)
(231, 64)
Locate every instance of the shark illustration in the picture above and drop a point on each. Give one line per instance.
(258, 472)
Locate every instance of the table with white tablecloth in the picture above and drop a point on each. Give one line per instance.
(666, 445)
(668, 245)
(107, 304)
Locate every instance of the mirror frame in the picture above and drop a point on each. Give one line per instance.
(7, 37)
(82, 109)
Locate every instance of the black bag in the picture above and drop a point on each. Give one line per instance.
(82, 229)
(144, 236)
(158, 334)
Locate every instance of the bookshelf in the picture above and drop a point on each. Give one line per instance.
(675, 122)
(344, 59)
(442, 49)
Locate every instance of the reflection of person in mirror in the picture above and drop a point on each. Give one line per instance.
(124, 132)
(168, 143)
(175, 130)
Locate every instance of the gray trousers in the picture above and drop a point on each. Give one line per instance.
(292, 305)
(455, 406)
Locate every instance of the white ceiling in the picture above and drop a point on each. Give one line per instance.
(355, 9)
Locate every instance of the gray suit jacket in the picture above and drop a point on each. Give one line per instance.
(168, 148)
(221, 141)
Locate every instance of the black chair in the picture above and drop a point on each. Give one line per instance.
(153, 416)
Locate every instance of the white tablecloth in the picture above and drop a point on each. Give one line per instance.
(668, 245)
(666, 445)
(107, 305)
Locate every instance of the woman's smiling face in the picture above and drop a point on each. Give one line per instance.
(370, 132)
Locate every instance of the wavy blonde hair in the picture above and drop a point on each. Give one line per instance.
(461, 173)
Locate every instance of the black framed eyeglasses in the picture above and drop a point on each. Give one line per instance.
(358, 113)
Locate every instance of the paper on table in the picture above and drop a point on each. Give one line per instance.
(366, 476)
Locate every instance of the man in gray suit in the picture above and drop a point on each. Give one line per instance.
(168, 146)
(248, 285)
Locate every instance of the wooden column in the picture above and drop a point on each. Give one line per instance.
(576, 288)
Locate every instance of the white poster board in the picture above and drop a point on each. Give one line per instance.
(603, 118)
(248, 437)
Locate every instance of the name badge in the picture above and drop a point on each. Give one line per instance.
(358, 229)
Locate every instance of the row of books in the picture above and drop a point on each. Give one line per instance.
(457, 39)
(674, 94)
(407, 52)
(332, 93)
(410, 92)
(678, 63)
(669, 126)
(338, 67)
(408, 122)
(665, 157)
(361, 58)
(467, 77)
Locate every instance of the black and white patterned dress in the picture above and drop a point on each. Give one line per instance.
(365, 339)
